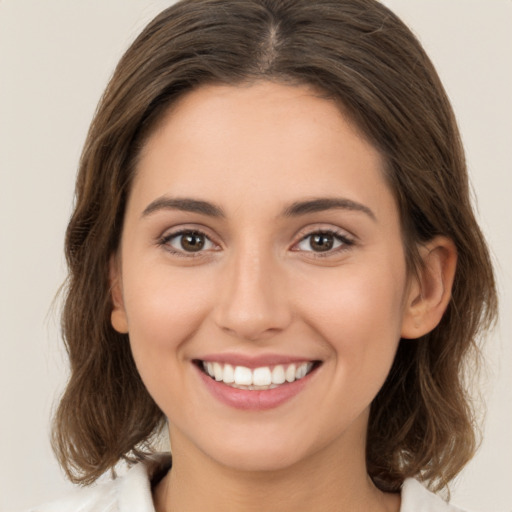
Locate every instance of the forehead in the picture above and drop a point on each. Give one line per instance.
(264, 141)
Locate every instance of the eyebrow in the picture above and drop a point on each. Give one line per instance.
(184, 204)
(294, 210)
(326, 203)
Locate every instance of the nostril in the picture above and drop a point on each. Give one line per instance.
(251, 304)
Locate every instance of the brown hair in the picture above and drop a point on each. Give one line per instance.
(363, 56)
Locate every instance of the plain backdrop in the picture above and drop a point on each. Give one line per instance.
(55, 59)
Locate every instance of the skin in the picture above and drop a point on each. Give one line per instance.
(260, 287)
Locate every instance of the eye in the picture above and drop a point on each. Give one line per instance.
(323, 242)
(188, 241)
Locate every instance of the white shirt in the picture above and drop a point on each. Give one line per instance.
(132, 493)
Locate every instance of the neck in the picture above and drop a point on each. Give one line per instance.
(329, 480)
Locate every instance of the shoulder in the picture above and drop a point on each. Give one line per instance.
(100, 497)
(415, 498)
(129, 493)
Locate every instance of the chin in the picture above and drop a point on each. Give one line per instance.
(259, 452)
(258, 461)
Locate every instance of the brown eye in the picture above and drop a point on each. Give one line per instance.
(321, 242)
(192, 242)
(188, 242)
(324, 242)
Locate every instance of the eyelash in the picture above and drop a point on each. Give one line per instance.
(345, 242)
(165, 241)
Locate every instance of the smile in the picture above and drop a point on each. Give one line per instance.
(255, 383)
(256, 379)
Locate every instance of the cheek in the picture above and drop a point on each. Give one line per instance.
(156, 295)
(358, 310)
(164, 309)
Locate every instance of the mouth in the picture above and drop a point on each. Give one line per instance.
(261, 378)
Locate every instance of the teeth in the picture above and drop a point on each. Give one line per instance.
(229, 374)
(278, 374)
(218, 372)
(243, 376)
(262, 377)
(301, 371)
(290, 373)
(259, 378)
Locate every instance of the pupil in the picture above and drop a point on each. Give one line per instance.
(322, 242)
(192, 242)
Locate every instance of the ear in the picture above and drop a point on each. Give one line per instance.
(430, 289)
(118, 317)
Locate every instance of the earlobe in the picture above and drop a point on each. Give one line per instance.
(430, 289)
(118, 316)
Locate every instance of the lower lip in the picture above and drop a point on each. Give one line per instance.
(255, 400)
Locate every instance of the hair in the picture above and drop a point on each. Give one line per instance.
(360, 54)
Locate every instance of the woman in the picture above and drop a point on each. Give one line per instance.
(273, 255)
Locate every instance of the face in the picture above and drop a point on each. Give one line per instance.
(261, 276)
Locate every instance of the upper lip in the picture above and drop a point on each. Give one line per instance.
(254, 361)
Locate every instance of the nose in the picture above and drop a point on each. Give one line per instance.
(252, 301)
